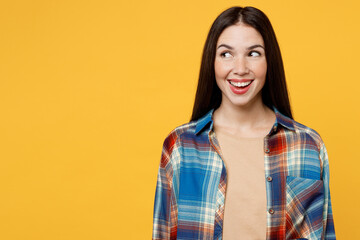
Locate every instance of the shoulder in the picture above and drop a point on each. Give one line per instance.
(301, 133)
(189, 134)
(170, 152)
(174, 136)
(308, 133)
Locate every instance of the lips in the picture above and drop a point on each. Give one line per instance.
(240, 86)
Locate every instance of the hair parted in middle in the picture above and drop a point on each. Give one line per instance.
(274, 92)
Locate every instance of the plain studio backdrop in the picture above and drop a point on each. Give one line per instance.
(90, 89)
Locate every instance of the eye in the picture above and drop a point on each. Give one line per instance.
(254, 54)
(225, 54)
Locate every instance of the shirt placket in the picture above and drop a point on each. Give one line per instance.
(271, 181)
(268, 184)
(220, 204)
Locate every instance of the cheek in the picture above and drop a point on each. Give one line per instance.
(260, 71)
(221, 69)
(219, 75)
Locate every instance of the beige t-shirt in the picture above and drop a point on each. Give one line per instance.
(245, 202)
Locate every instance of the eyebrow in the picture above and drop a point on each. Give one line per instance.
(249, 48)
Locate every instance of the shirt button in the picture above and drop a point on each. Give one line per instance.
(271, 211)
(269, 179)
(267, 150)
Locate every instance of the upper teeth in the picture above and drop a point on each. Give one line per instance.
(240, 84)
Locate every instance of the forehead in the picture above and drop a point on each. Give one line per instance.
(240, 35)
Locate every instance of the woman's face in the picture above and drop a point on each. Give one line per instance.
(240, 65)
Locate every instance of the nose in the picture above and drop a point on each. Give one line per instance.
(240, 66)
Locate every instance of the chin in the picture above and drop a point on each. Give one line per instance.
(240, 103)
(244, 102)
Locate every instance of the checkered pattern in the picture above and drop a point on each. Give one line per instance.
(191, 184)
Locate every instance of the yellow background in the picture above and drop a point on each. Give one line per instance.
(90, 89)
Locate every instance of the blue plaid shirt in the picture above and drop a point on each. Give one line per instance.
(191, 184)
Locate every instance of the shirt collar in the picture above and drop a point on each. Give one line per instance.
(283, 120)
(205, 120)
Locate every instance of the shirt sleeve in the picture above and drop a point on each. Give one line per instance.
(165, 208)
(328, 221)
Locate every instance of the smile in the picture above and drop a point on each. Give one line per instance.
(240, 84)
(240, 87)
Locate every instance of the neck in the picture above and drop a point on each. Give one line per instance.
(251, 116)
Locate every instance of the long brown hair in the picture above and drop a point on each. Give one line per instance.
(274, 92)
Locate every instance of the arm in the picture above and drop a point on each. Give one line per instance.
(328, 222)
(165, 208)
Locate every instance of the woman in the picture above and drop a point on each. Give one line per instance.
(242, 168)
